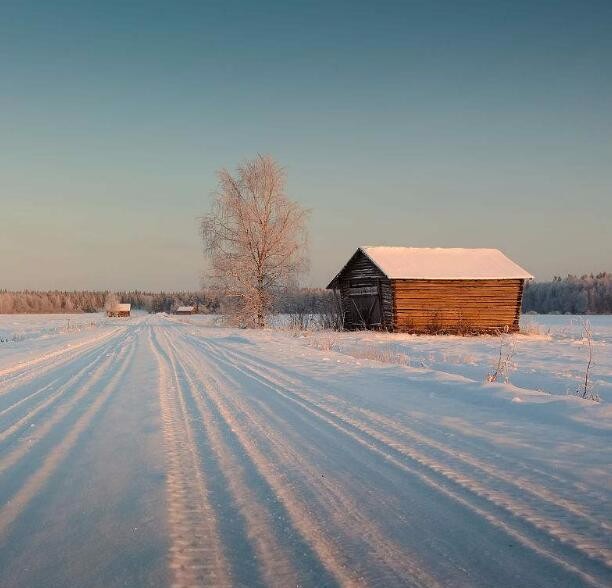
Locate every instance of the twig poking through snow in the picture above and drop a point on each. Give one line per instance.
(587, 392)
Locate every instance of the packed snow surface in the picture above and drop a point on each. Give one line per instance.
(163, 451)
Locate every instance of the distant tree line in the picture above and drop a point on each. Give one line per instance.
(56, 301)
(303, 301)
(588, 294)
(294, 301)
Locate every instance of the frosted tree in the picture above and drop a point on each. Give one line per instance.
(110, 301)
(255, 237)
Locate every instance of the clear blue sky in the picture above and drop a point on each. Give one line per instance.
(477, 124)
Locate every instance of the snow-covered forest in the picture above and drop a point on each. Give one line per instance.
(55, 301)
(303, 300)
(588, 294)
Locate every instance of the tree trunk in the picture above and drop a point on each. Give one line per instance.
(261, 315)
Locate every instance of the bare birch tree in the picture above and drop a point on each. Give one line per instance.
(255, 237)
(110, 301)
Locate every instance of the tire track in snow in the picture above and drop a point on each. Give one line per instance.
(36, 481)
(520, 483)
(195, 556)
(534, 494)
(71, 381)
(23, 399)
(298, 512)
(276, 566)
(24, 446)
(59, 358)
(340, 508)
(591, 501)
(64, 370)
(365, 435)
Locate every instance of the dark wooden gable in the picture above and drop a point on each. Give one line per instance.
(365, 293)
(359, 266)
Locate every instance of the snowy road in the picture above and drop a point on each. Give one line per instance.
(158, 452)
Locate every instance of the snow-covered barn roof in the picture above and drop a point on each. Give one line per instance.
(121, 307)
(438, 263)
(185, 309)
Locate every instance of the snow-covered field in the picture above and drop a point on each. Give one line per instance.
(17, 327)
(551, 358)
(167, 451)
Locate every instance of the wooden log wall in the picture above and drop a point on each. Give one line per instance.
(456, 306)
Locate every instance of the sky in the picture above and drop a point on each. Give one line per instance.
(442, 124)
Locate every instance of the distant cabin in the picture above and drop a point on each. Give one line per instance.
(430, 290)
(119, 310)
(185, 310)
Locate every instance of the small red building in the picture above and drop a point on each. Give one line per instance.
(119, 310)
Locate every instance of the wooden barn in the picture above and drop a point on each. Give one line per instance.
(430, 290)
(185, 310)
(119, 310)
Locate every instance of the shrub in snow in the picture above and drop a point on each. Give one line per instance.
(504, 361)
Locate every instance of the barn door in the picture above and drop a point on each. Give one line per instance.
(366, 310)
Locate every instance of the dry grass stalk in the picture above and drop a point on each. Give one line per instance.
(587, 390)
(504, 365)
